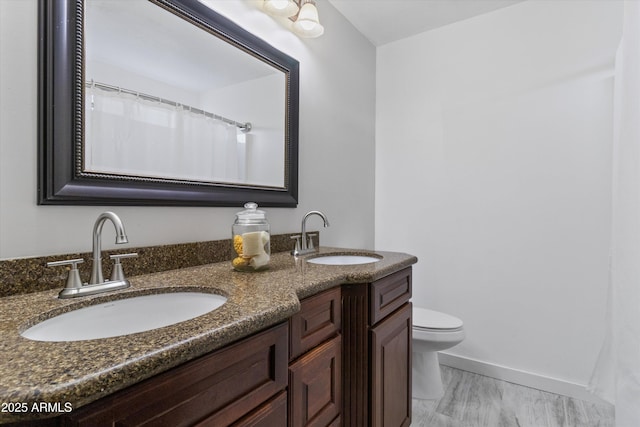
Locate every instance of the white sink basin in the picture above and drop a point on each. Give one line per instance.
(343, 260)
(125, 316)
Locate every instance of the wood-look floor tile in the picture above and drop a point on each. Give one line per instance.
(531, 407)
(472, 400)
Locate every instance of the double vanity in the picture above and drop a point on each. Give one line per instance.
(322, 339)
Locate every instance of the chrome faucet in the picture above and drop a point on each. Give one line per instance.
(121, 237)
(97, 284)
(306, 246)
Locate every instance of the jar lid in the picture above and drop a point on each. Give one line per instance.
(251, 214)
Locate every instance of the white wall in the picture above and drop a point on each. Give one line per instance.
(337, 89)
(503, 126)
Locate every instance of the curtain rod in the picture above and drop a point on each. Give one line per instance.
(245, 127)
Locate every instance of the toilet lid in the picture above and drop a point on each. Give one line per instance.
(430, 319)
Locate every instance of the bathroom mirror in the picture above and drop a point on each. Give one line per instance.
(162, 102)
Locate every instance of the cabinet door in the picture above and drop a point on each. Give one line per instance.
(391, 370)
(315, 386)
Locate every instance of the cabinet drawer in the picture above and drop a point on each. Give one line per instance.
(389, 293)
(315, 386)
(319, 319)
(271, 414)
(217, 389)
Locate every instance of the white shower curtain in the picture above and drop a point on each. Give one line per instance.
(129, 135)
(126, 135)
(616, 377)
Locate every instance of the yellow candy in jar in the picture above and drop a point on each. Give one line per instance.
(240, 262)
(237, 244)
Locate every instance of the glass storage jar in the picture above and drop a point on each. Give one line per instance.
(251, 239)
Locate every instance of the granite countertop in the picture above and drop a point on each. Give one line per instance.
(80, 372)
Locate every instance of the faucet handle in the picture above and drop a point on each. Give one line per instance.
(310, 237)
(73, 279)
(118, 257)
(296, 250)
(74, 263)
(117, 274)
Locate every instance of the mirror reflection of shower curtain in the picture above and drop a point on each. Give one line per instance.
(128, 135)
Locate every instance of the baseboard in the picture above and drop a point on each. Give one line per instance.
(516, 376)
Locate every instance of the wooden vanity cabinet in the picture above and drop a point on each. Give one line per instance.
(343, 360)
(242, 384)
(376, 332)
(315, 369)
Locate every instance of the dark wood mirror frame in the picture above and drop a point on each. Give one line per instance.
(61, 180)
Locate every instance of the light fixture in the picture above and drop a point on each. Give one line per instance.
(303, 13)
(284, 8)
(307, 24)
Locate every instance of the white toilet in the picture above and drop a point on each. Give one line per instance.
(432, 332)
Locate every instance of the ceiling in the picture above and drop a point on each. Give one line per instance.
(384, 21)
(118, 31)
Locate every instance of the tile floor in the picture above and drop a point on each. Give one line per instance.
(473, 400)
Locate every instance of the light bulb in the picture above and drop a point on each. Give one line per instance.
(308, 23)
(280, 7)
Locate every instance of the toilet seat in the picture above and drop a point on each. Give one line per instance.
(431, 320)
